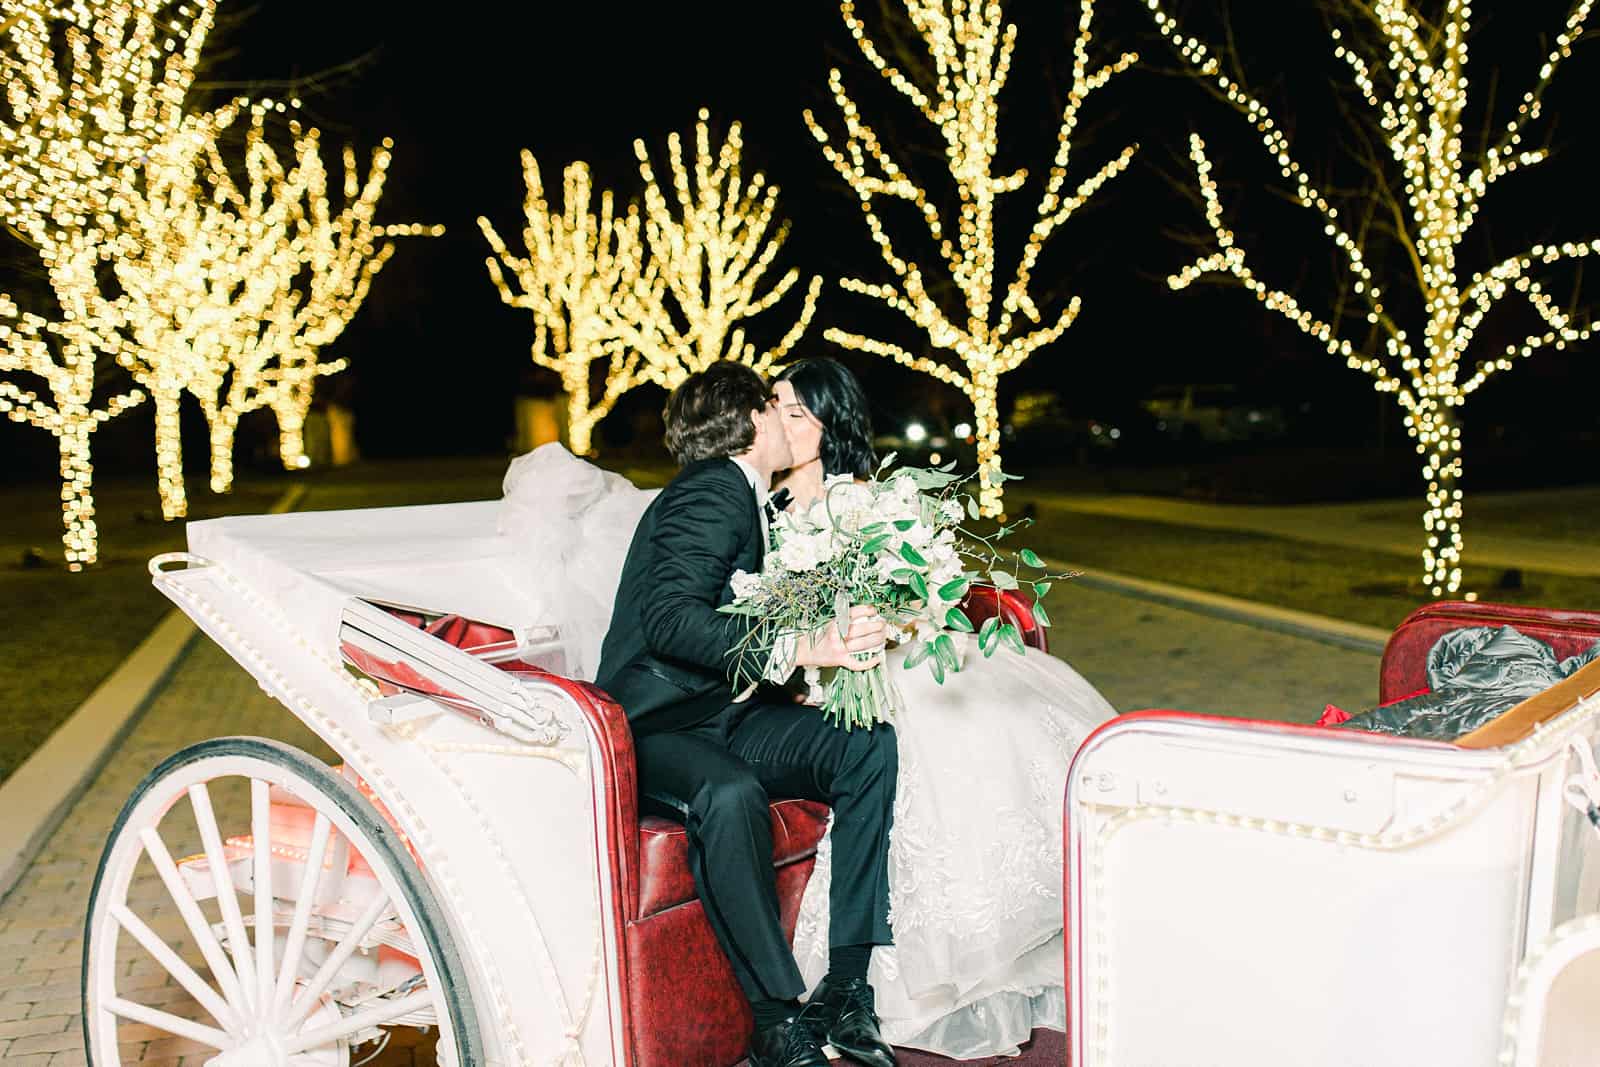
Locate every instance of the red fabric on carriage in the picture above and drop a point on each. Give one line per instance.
(664, 879)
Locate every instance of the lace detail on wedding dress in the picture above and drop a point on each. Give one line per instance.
(974, 858)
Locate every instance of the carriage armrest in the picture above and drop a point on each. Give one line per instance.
(1405, 657)
(983, 602)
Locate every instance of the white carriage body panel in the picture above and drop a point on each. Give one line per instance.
(1246, 894)
(502, 815)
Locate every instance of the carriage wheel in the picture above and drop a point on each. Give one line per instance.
(342, 941)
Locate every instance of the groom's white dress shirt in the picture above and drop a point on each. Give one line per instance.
(760, 487)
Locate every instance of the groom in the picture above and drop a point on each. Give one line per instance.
(711, 761)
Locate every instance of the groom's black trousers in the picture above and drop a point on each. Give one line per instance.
(717, 778)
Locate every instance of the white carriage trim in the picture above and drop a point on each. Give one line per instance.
(1528, 756)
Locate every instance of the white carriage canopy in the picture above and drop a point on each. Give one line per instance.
(440, 559)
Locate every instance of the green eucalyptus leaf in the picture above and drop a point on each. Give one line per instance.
(945, 649)
(875, 544)
(954, 589)
(947, 468)
(925, 479)
(871, 528)
(1041, 589)
(957, 619)
(919, 585)
(1041, 616)
(921, 652)
(1010, 635)
(1031, 558)
(937, 668)
(986, 634)
(972, 508)
(1002, 580)
(904, 524)
(912, 556)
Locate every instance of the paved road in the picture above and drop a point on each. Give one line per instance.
(1390, 526)
(1139, 654)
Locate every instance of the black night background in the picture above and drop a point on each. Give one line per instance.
(436, 357)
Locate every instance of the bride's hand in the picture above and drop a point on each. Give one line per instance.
(826, 648)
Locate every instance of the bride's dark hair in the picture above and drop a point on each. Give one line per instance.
(831, 393)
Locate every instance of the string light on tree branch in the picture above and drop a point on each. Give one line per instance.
(1416, 94)
(708, 250)
(579, 266)
(970, 48)
(90, 87)
(232, 289)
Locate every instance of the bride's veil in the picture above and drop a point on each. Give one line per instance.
(570, 524)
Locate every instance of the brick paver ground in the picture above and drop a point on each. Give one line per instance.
(1139, 654)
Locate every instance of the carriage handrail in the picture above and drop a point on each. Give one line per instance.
(497, 697)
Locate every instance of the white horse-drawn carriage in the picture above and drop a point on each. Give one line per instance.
(475, 864)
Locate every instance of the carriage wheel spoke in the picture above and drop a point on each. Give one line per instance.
(172, 1024)
(261, 831)
(380, 1013)
(186, 976)
(199, 928)
(309, 881)
(227, 895)
(336, 959)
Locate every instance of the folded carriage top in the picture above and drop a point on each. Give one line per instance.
(437, 559)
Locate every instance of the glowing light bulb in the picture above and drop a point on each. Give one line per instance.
(985, 338)
(1417, 88)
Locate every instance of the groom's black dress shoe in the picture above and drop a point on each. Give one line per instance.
(849, 1021)
(791, 1043)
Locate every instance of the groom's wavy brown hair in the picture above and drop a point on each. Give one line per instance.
(709, 414)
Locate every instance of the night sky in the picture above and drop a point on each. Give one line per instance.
(462, 88)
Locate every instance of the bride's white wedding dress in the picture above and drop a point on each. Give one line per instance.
(975, 889)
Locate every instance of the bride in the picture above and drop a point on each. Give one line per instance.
(975, 869)
(975, 874)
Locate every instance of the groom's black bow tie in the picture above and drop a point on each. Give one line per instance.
(776, 503)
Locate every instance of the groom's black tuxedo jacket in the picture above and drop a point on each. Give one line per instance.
(666, 658)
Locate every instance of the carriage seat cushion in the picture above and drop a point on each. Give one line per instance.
(664, 879)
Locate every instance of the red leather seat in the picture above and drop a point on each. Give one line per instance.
(681, 1003)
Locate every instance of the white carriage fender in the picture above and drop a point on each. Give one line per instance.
(1525, 1005)
(571, 1054)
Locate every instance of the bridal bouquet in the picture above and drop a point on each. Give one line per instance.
(897, 543)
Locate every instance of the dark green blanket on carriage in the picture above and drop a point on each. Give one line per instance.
(1475, 674)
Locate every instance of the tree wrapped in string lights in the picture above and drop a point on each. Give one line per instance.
(969, 48)
(89, 89)
(709, 247)
(1411, 72)
(238, 286)
(580, 266)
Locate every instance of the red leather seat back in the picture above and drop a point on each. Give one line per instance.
(1405, 657)
(983, 602)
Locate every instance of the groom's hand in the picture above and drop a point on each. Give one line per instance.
(826, 648)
